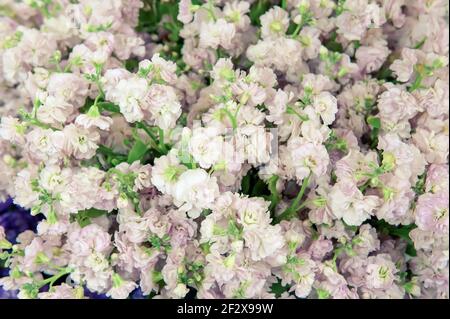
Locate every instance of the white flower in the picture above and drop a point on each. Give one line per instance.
(206, 146)
(120, 288)
(92, 120)
(277, 106)
(215, 34)
(263, 242)
(195, 190)
(46, 144)
(184, 11)
(12, 130)
(53, 179)
(254, 143)
(274, 22)
(68, 87)
(53, 110)
(130, 95)
(223, 71)
(163, 105)
(347, 202)
(380, 272)
(253, 213)
(236, 12)
(180, 290)
(80, 142)
(166, 172)
(159, 69)
(325, 105)
(307, 157)
(404, 68)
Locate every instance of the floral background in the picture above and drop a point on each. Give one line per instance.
(224, 149)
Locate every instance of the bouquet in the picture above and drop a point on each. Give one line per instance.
(225, 149)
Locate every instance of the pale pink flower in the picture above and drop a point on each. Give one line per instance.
(12, 130)
(308, 158)
(347, 202)
(94, 120)
(434, 145)
(120, 288)
(437, 179)
(325, 105)
(162, 103)
(69, 87)
(274, 22)
(54, 110)
(91, 238)
(217, 33)
(396, 104)
(381, 272)
(185, 13)
(432, 212)
(404, 68)
(371, 58)
(80, 142)
(130, 94)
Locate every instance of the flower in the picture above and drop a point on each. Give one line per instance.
(380, 272)
(325, 105)
(80, 142)
(432, 212)
(166, 172)
(163, 105)
(12, 130)
(227, 149)
(274, 22)
(347, 202)
(130, 95)
(120, 288)
(195, 190)
(307, 158)
(404, 67)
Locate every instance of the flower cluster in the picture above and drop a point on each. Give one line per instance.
(226, 149)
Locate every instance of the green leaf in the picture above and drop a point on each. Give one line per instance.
(278, 289)
(233, 230)
(419, 187)
(257, 9)
(131, 64)
(94, 212)
(260, 188)
(397, 231)
(137, 152)
(108, 106)
(83, 217)
(332, 45)
(374, 122)
(410, 250)
(245, 185)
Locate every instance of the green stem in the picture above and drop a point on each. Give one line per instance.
(291, 110)
(148, 131)
(161, 145)
(210, 9)
(297, 30)
(109, 152)
(155, 142)
(54, 278)
(417, 83)
(294, 207)
(232, 118)
(38, 123)
(274, 194)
